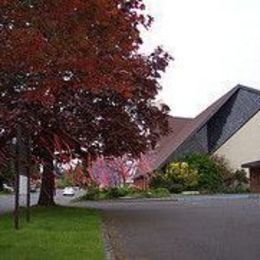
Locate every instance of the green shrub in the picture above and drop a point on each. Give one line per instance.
(237, 182)
(93, 193)
(223, 168)
(176, 187)
(183, 174)
(210, 178)
(151, 193)
(158, 180)
(177, 178)
(208, 174)
(240, 178)
(216, 175)
(115, 192)
(160, 192)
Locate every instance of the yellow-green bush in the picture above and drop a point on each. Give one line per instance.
(202, 172)
(179, 176)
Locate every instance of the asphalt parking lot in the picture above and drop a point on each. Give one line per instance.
(189, 229)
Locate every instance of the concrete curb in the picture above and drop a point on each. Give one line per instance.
(107, 242)
(174, 198)
(113, 247)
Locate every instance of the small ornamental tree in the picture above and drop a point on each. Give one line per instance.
(73, 78)
(111, 172)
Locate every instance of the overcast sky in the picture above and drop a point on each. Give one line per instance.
(215, 43)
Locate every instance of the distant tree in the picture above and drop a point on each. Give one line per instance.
(112, 172)
(76, 175)
(72, 75)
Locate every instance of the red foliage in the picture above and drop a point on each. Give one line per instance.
(78, 177)
(72, 75)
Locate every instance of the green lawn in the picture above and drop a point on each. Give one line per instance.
(55, 233)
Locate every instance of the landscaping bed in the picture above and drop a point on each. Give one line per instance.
(94, 193)
(202, 173)
(54, 233)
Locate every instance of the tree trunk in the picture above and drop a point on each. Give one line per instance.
(48, 184)
(1, 184)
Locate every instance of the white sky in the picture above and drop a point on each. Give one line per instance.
(215, 43)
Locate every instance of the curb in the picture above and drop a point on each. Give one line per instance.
(109, 255)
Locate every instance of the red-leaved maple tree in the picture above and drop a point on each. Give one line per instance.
(73, 78)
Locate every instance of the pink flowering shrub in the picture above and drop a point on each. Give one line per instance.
(113, 172)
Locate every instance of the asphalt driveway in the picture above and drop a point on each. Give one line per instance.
(200, 228)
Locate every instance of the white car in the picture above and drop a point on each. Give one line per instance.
(8, 188)
(68, 191)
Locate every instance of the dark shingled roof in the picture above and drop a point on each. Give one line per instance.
(184, 128)
(164, 146)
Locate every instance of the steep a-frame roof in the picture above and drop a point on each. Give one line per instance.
(177, 124)
(168, 145)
